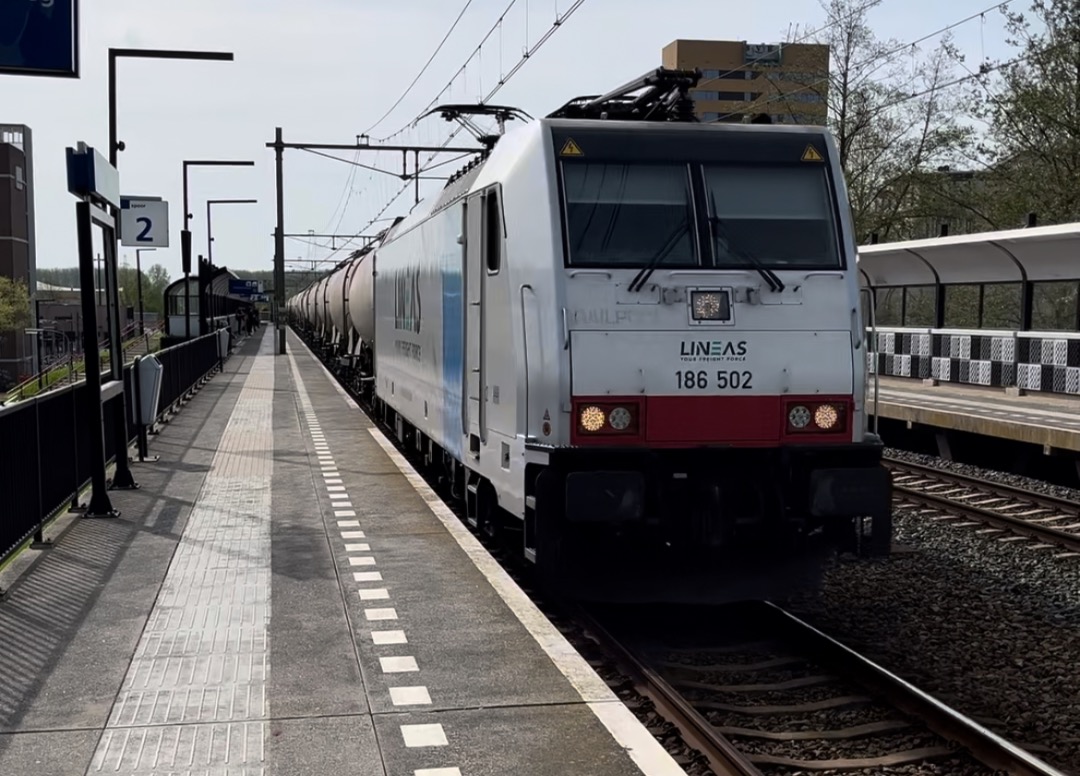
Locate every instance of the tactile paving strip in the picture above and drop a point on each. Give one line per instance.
(194, 698)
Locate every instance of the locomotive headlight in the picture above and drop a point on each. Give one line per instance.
(620, 418)
(710, 305)
(799, 416)
(826, 416)
(592, 418)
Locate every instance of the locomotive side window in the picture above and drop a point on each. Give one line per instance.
(781, 216)
(628, 215)
(492, 231)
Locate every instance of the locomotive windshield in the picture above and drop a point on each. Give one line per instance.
(693, 200)
(781, 216)
(626, 215)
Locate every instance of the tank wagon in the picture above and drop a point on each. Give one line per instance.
(620, 322)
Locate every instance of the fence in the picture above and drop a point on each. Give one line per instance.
(45, 460)
(1047, 362)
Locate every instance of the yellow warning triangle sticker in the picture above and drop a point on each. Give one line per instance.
(570, 148)
(811, 154)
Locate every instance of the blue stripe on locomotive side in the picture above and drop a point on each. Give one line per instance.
(453, 321)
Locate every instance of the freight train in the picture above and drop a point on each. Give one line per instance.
(619, 324)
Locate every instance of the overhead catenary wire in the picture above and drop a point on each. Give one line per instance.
(560, 20)
(475, 52)
(349, 189)
(423, 70)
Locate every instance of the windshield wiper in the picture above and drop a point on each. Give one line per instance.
(645, 272)
(775, 283)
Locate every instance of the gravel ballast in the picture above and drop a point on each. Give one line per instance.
(991, 628)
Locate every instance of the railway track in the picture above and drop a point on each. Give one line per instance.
(764, 692)
(703, 735)
(1048, 520)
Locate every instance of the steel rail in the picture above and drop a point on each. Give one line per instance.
(723, 756)
(984, 745)
(1020, 525)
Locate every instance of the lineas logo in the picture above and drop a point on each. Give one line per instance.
(712, 350)
(407, 312)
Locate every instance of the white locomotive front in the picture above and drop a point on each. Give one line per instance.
(649, 328)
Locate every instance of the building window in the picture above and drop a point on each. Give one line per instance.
(700, 94)
(20, 182)
(802, 97)
(748, 75)
(790, 75)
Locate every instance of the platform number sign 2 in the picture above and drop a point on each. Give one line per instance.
(144, 223)
(147, 227)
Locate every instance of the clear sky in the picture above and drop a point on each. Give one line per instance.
(326, 70)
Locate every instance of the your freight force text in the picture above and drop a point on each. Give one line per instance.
(725, 380)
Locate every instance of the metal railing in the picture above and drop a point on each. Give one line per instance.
(45, 450)
(67, 368)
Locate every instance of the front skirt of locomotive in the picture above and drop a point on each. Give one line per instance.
(709, 524)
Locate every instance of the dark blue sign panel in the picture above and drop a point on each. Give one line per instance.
(39, 37)
(244, 287)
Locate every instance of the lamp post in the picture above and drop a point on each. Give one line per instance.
(185, 234)
(122, 477)
(138, 272)
(209, 227)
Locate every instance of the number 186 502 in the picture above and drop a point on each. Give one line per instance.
(689, 379)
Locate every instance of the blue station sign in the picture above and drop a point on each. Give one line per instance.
(39, 37)
(244, 287)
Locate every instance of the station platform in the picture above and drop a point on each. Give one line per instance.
(284, 595)
(1042, 419)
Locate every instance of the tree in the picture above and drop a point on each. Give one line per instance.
(1032, 109)
(154, 284)
(14, 305)
(893, 116)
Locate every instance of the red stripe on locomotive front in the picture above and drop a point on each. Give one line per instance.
(747, 421)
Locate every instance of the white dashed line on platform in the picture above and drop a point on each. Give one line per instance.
(352, 534)
(380, 614)
(367, 560)
(357, 548)
(410, 696)
(367, 576)
(388, 637)
(423, 735)
(375, 594)
(438, 772)
(398, 665)
(348, 523)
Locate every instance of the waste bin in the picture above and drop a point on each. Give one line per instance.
(150, 371)
(223, 343)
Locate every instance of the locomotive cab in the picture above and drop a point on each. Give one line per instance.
(716, 378)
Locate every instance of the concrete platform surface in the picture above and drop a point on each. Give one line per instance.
(1050, 421)
(284, 595)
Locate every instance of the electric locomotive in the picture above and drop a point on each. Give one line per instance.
(621, 324)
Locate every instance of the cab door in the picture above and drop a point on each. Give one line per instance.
(483, 249)
(473, 378)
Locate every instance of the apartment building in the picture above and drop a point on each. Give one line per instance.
(788, 81)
